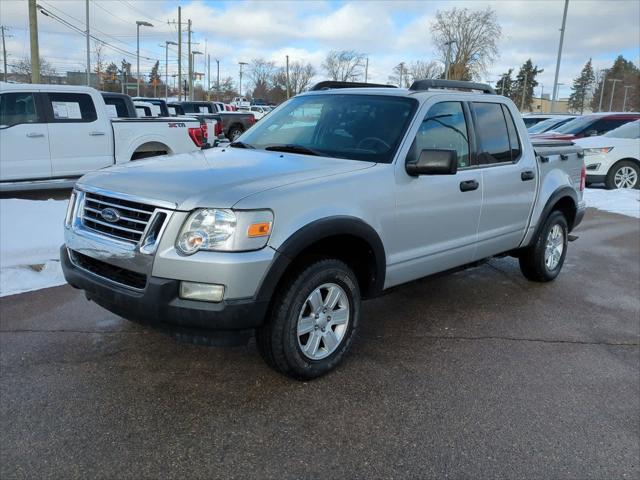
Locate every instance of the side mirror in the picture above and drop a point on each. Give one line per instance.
(434, 162)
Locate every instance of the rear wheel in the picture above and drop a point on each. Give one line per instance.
(624, 174)
(312, 321)
(542, 261)
(235, 132)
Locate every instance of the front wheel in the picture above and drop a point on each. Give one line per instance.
(542, 261)
(624, 174)
(312, 321)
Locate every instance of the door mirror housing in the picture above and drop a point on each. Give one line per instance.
(434, 162)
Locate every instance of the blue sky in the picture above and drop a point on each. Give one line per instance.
(388, 31)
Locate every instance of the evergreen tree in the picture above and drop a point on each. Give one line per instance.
(629, 75)
(524, 84)
(112, 78)
(155, 74)
(504, 86)
(582, 86)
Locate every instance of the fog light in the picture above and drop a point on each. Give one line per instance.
(204, 292)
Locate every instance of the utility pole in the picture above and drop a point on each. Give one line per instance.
(448, 59)
(555, 80)
(33, 37)
(190, 60)
(366, 70)
(288, 89)
(166, 68)
(4, 52)
(139, 23)
(124, 75)
(401, 71)
(88, 47)
(613, 89)
(218, 79)
(502, 86)
(180, 53)
(604, 82)
(624, 102)
(240, 86)
(524, 91)
(208, 76)
(541, 95)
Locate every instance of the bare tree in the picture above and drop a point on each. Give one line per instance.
(344, 65)
(299, 76)
(400, 76)
(476, 34)
(422, 69)
(23, 68)
(98, 55)
(261, 71)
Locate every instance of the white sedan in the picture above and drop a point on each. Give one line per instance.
(614, 158)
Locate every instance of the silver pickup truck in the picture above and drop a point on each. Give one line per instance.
(340, 193)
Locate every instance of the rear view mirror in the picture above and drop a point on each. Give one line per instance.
(434, 162)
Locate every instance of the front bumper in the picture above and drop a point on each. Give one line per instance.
(158, 305)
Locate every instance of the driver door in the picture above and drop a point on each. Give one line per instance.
(437, 215)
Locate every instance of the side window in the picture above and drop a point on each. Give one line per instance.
(72, 107)
(605, 125)
(492, 134)
(116, 107)
(17, 108)
(514, 141)
(444, 128)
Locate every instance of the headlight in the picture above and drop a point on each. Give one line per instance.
(225, 230)
(593, 166)
(597, 151)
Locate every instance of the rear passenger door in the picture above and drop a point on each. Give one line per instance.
(79, 140)
(24, 137)
(508, 180)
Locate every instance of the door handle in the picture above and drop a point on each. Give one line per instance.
(96, 134)
(469, 185)
(35, 134)
(527, 175)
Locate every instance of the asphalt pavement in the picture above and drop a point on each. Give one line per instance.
(479, 374)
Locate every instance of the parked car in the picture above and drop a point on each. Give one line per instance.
(614, 158)
(119, 105)
(589, 126)
(531, 119)
(241, 102)
(232, 124)
(260, 111)
(258, 102)
(335, 197)
(160, 110)
(52, 134)
(146, 109)
(550, 124)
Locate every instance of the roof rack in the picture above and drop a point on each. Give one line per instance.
(431, 83)
(331, 84)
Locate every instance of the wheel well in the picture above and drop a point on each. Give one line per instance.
(239, 125)
(567, 206)
(352, 250)
(150, 149)
(633, 160)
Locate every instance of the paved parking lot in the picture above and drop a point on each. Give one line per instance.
(480, 374)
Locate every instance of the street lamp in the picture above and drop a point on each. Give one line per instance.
(193, 69)
(448, 62)
(139, 24)
(166, 68)
(613, 89)
(240, 86)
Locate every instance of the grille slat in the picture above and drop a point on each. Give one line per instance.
(131, 224)
(105, 270)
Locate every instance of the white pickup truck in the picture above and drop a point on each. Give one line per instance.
(51, 134)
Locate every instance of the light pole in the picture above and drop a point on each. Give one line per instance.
(624, 102)
(218, 79)
(448, 60)
(240, 85)
(139, 24)
(613, 89)
(193, 70)
(554, 94)
(166, 67)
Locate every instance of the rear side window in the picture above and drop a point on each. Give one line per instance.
(606, 124)
(72, 108)
(514, 141)
(493, 135)
(17, 108)
(119, 104)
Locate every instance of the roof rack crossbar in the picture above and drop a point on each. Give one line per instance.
(431, 83)
(332, 84)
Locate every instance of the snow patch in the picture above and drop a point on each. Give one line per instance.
(622, 201)
(31, 233)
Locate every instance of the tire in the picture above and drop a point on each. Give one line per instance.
(291, 313)
(234, 133)
(533, 260)
(628, 173)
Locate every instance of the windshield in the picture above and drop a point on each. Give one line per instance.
(357, 127)
(548, 124)
(628, 130)
(576, 125)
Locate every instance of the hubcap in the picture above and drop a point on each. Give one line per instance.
(625, 177)
(554, 248)
(323, 321)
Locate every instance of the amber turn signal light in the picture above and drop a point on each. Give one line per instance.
(259, 229)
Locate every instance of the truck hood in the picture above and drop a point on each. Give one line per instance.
(214, 178)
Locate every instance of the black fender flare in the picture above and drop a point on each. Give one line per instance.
(559, 194)
(314, 232)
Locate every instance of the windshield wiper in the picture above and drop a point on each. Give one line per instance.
(294, 149)
(240, 145)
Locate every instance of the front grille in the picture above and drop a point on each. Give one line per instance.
(132, 221)
(111, 272)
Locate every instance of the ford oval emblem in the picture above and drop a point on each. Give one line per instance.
(111, 215)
